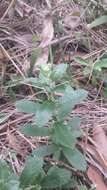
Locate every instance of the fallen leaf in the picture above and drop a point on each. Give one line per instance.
(48, 31)
(13, 141)
(95, 176)
(46, 36)
(94, 157)
(26, 65)
(16, 144)
(43, 58)
(100, 139)
(22, 8)
(70, 21)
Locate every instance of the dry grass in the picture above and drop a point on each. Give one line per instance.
(15, 48)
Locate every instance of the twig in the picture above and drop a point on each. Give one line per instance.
(12, 60)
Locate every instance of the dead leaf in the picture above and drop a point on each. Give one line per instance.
(94, 157)
(95, 176)
(48, 31)
(70, 21)
(101, 141)
(47, 35)
(13, 141)
(22, 8)
(26, 65)
(16, 144)
(44, 57)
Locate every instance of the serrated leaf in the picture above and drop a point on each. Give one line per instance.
(44, 113)
(43, 151)
(13, 185)
(75, 158)
(27, 106)
(38, 83)
(33, 172)
(56, 151)
(31, 80)
(5, 170)
(100, 64)
(59, 71)
(69, 100)
(3, 185)
(98, 21)
(61, 135)
(83, 187)
(86, 71)
(62, 89)
(56, 177)
(71, 184)
(33, 130)
(73, 125)
(8, 180)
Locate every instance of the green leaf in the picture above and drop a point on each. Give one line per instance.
(33, 130)
(31, 80)
(43, 151)
(73, 125)
(33, 172)
(61, 135)
(3, 118)
(44, 113)
(81, 61)
(100, 64)
(56, 149)
(83, 187)
(72, 183)
(56, 177)
(35, 54)
(98, 21)
(8, 180)
(86, 71)
(60, 88)
(59, 71)
(69, 100)
(13, 185)
(36, 38)
(75, 158)
(26, 106)
(5, 171)
(3, 185)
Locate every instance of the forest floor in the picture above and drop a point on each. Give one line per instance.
(69, 29)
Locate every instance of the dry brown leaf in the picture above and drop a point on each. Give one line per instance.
(70, 21)
(44, 57)
(101, 141)
(23, 8)
(13, 142)
(26, 65)
(47, 35)
(48, 31)
(96, 178)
